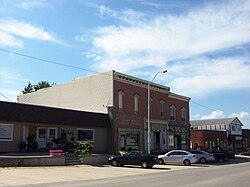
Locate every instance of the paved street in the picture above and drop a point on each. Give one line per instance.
(233, 173)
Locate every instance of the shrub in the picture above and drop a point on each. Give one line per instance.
(84, 148)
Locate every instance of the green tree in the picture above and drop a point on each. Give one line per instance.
(28, 89)
(42, 84)
(33, 88)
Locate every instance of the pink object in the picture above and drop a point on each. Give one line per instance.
(56, 152)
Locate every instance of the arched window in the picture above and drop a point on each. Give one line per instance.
(161, 107)
(136, 103)
(183, 114)
(172, 112)
(120, 97)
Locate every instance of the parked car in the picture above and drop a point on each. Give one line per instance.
(221, 154)
(178, 157)
(134, 158)
(247, 153)
(203, 156)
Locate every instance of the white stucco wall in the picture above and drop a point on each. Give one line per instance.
(90, 93)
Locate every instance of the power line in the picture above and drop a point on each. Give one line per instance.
(5, 96)
(49, 61)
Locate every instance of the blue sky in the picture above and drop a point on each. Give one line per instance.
(204, 45)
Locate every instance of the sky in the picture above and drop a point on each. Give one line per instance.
(203, 44)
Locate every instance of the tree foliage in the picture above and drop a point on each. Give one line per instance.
(33, 88)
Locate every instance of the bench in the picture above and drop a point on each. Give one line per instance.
(56, 152)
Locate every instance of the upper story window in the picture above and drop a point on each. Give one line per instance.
(161, 107)
(120, 97)
(233, 128)
(172, 112)
(183, 114)
(136, 103)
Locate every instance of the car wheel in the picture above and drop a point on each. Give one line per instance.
(160, 161)
(226, 159)
(144, 164)
(115, 163)
(186, 162)
(203, 160)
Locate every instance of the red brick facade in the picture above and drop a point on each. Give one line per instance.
(127, 121)
(208, 139)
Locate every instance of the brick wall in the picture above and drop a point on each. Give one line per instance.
(202, 136)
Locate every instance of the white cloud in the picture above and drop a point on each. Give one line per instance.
(12, 31)
(129, 16)
(10, 77)
(220, 114)
(164, 40)
(214, 115)
(32, 4)
(242, 115)
(203, 76)
(9, 95)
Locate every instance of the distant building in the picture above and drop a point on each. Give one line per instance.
(208, 139)
(232, 127)
(125, 98)
(246, 139)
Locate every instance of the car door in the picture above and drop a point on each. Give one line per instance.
(130, 158)
(179, 156)
(170, 157)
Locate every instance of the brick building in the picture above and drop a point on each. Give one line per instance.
(232, 127)
(208, 139)
(125, 99)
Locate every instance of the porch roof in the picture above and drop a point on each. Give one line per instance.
(17, 112)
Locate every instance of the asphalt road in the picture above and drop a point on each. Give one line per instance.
(222, 175)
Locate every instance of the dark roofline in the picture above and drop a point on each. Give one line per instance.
(17, 112)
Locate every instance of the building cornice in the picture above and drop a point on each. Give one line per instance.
(140, 82)
(179, 97)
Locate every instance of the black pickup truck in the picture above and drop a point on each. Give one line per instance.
(221, 155)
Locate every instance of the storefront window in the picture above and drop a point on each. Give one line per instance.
(6, 132)
(132, 140)
(86, 135)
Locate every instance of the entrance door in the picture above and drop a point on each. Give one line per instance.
(177, 141)
(41, 137)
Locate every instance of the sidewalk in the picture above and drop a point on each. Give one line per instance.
(36, 175)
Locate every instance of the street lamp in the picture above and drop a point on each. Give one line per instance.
(149, 83)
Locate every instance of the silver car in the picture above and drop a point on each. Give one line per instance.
(203, 156)
(178, 157)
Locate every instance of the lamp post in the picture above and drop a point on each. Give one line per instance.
(149, 83)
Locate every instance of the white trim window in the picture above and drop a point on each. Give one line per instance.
(183, 114)
(6, 132)
(120, 98)
(136, 103)
(85, 135)
(172, 112)
(52, 133)
(161, 107)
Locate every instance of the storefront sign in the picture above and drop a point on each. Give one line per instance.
(6, 132)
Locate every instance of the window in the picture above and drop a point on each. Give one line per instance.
(132, 139)
(52, 133)
(233, 128)
(172, 112)
(6, 132)
(183, 114)
(120, 97)
(86, 135)
(136, 103)
(161, 107)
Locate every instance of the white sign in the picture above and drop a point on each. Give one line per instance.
(6, 132)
